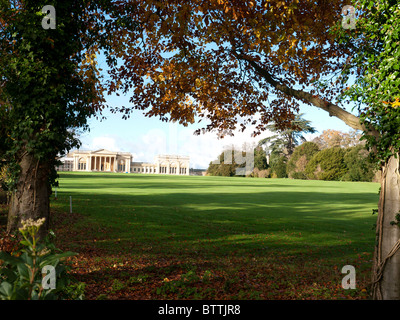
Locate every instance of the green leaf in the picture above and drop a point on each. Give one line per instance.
(55, 258)
(9, 259)
(24, 271)
(26, 257)
(6, 290)
(25, 243)
(9, 273)
(21, 293)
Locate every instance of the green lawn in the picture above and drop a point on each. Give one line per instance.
(272, 238)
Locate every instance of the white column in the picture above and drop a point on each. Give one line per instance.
(87, 163)
(178, 168)
(115, 161)
(127, 165)
(168, 168)
(157, 167)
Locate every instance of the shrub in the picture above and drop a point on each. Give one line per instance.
(278, 165)
(298, 161)
(21, 272)
(260, 159)
(261, 173)
(222, 168)
(327, 164)
(358, 165)
(264, 173)
(299, 175)
(274, 175)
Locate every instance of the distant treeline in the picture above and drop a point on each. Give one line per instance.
(311, 160)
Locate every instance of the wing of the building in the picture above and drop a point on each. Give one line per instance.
(103, 160)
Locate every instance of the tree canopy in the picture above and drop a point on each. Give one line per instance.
(49, 82)
(375, 61)
(49, 86)
(284, 141)
(377, 93)
(233, 62)
(331, 138)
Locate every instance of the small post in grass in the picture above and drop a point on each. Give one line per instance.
(70, 204)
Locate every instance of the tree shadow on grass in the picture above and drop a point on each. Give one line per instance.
(151, 181)
(219, 224)
(297, 229)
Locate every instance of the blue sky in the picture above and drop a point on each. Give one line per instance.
(146, 137)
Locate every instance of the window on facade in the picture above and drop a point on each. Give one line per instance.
(81, 166)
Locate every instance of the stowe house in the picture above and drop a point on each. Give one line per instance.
(108, 161)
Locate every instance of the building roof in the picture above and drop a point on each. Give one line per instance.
(99, 151)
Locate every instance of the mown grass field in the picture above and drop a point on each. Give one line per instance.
(190, 237)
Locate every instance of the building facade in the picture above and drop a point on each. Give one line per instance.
(108, 161)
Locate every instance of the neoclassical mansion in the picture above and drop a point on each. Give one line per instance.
(108, 161)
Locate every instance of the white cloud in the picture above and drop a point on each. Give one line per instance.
(175, 139)
(104, 142)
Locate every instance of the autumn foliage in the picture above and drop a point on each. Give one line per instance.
(232, 62)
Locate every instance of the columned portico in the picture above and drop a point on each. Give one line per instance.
(100, 160)
(107, 161)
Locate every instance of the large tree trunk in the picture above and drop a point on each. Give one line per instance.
(31, 198)
(386, 273)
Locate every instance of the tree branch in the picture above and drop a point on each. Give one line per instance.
(333, 110)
